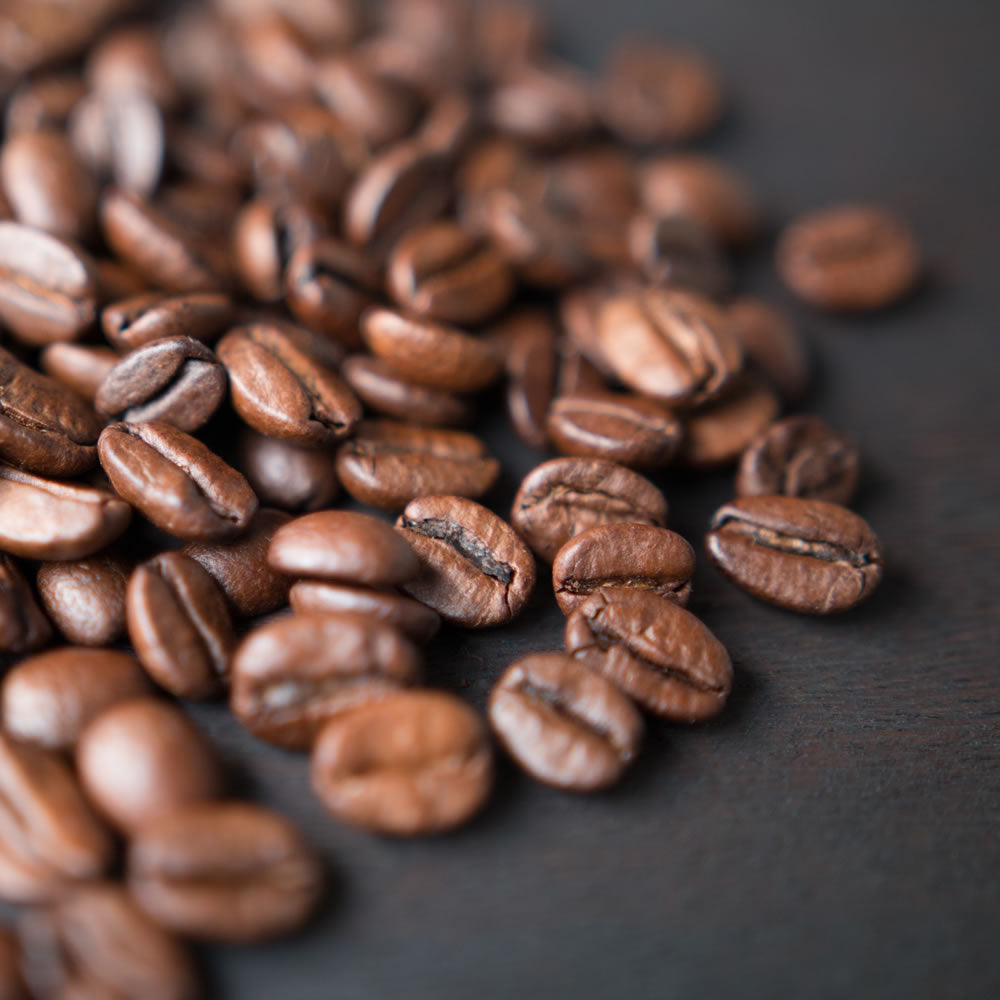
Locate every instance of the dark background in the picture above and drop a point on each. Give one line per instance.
(835, 833)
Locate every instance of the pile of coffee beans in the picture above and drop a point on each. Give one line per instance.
(260, 253)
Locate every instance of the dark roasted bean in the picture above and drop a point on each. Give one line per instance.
(23, 626)
(133, 322)
(85, 598)
(79, 367)
(286, 475)
(772, 344)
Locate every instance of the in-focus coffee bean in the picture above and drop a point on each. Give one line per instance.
(141, 319)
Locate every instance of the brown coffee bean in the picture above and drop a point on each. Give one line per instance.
(11, 982)
(282, 391)
(285, 475)
(291, 676)
(678, 252)
(562, 497)
(675, 346)
(49, 519)
(626, 555)
(389, 464)
(74, 948)
(131, 59)
(176, 482)
(804, 555)
(48, 287)
(475, 571)
(412, 764)
(547, 105)
(226, 872)
(530, 339)
(85, 598)
(563, 723)
(134, 322)
(850, 257)
(23, 625)
(507, 34)
(180, 626)
(241, 569)
(79, 367)
(772, 344)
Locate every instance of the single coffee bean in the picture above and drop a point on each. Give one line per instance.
(79, 367)
(180, 626)
(475, 571)
(282, 391)
(11, 982)
(804, 555)
(562, 497)
(626, 555)
(291, 676)
(178, 381)
(176, 482)
(530, 339)
(141, 319)
(286, 475)
(546, 105)
(414, 763)
(772, 344)
(85, 598)
(431, 354)
(49, 519)
(850, 258)
(141, 759)
(389, 464)
(653, 650)
(324, 351)
(678, 252)
(563, 723)
(23, 625)
(241, 569)
(51, 838)
(226, 872)
(77, 948)
(674, 346)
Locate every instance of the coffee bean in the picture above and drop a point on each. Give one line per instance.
(134, 322)
(475, 571)
(850, 257)
(85, 598)
(530, 340)
(678, 252)
(131, 59)
(547, 105)
(23, 625)
(562, 497)
(49, 519)
(412, 764)
(142, 759)
(389, 464)
(226, 872)
(291, 676)
(772, 344)
(563, 723)
(180, 626)
(79, 367)
(11, 982)
(655, 651)
(176, 482)
(285, 475)
(626, 555)
(804, 555)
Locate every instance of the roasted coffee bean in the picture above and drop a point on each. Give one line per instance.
(291, 676)
(562, 497)
(414, 763)
(654, 650)
(674, 346)
(95, 942)
(141, 759)
(178, 381)
(11, 982)
(530, 339)
(79, 367)
(323, 350)
(51, 839)
(772, 344)
(804, 555)
(282, 391)
(475, 571)
(800, 457)
(678, 252)
(136, 321)
(48, 287)
(428, 353)
(631, 430)
(49, 519)
(285, 475)
(23, 625)
(274, 55)
(180, 626)
(546, 105)
(850, 258)
(227, 872)
(44, 103)
(389, 464)
(85, 598)
(130, 59)
(241, 569)
(563, 723)
(176, 482)
(632, 556)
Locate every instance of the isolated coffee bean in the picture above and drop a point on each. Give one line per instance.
(563, 723)
(772, 344)
(176, 482)
(79, 367)
(286, 475)
(546, 105)
(678, 252)
(414, 763)
(655, 651)
(85, 598)
(130, 323)
(225, 872)
(290, 676)
(23, 625)
(529, 339)
(180, 626)
(389, 464)
(562, 497)
(804, 555)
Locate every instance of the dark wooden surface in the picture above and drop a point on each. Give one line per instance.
(835, 833)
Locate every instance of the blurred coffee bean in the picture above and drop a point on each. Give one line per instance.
(85, 598)
(772, 344)
(134, 322)
(79, 367)
(23, 625)
(286, 475)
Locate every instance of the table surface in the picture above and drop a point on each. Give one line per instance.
(835, 832)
